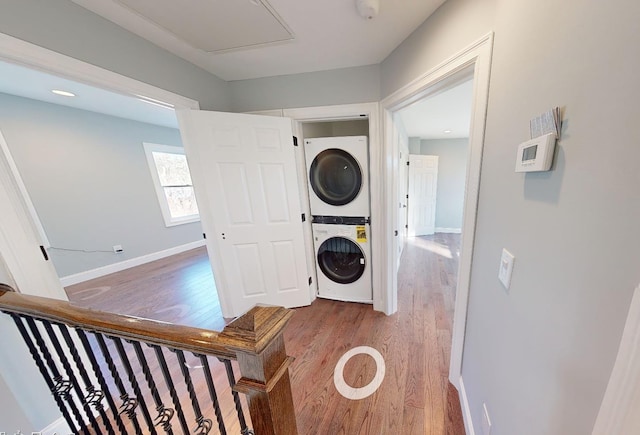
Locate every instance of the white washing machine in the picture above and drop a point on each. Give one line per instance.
(338, 169)
(343, 260)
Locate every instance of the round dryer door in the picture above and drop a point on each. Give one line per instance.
(335, 176)
(341, 260)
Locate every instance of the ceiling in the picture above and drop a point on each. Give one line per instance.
(245, 39)
(427, 119)
(449, 110)
(37, 85)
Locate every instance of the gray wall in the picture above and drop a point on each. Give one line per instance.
(452, 173)
(88, 178)
(67, 28)
(341, 86)
(414, 145)
(540, 355)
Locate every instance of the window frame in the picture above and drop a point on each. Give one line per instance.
(149, 149)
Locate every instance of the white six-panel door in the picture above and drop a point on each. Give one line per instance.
(246, 185)
(423, 183)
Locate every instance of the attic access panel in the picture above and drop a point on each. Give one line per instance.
(215, 26)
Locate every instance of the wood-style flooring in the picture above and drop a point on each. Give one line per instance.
(415, 396)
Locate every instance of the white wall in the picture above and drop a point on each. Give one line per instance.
(541, 354)
(28, 401)
(88, 178)
(64, 27)
(341, 86)
(452, 172)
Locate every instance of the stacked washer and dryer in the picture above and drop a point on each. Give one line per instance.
(338, 169)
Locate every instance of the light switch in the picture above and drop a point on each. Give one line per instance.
(506, 268)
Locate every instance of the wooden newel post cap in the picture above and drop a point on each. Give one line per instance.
(253, 331)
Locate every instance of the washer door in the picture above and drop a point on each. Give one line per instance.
(335, 176)
(341, 260)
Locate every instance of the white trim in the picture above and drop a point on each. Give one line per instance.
(18, 51)
(58, 427)
(466, 411)
(474, 61)
(359, 111)
(448, 230)
(270, 112)
(132, 262)
(4, 147)
(619, 409)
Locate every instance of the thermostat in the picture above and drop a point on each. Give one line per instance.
(536, 155)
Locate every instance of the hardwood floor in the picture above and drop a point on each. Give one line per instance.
(178, 289)
(415, 396)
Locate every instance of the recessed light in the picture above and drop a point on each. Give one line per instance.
(447, 131)
(63, 93)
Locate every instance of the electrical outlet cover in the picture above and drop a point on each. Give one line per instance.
(506, 268)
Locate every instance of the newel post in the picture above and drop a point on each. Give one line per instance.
(257, 340)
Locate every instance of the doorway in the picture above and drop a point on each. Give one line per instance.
(474, 62)
(127, 169)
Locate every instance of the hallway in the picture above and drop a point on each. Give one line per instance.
(415, 396)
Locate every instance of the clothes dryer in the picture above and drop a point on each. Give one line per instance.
(338, 169)
(343, 256)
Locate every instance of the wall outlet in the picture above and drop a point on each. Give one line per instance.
(486, 421)
(506, 268)
(117, 249)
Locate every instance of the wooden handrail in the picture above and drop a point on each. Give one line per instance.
(150, 331)
(255, 340)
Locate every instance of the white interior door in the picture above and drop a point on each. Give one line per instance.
(423, 183)
(22, 248)
(246, 185)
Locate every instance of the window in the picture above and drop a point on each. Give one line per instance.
(172, 180)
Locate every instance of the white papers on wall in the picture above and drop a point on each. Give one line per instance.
(548, 122)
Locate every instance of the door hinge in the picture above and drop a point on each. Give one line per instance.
(44, 253)
(407, 163)
(406, 226)
(204, 235)
(304, 217)
(395, 233)
(310, 280)
(407, 196)
(295, 141)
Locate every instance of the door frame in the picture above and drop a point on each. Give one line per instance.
(344, 112)
(473, 61)
(23, 53)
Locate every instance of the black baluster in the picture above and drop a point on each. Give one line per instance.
(134, 384)
(236, 397)
(128, 404)
(72, 377)
(171, 387)
(62, 386)
(103, 383)
(212, 393)
(94, 396)
(44, 372)
(164, 414)
(204, 424)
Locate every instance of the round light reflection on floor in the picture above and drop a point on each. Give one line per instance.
(359, 393)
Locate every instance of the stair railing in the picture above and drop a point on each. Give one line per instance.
(111, 373)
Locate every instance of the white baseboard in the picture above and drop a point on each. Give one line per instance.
(58, 427)
(466, 412)
(132, 262)
(448, 230)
